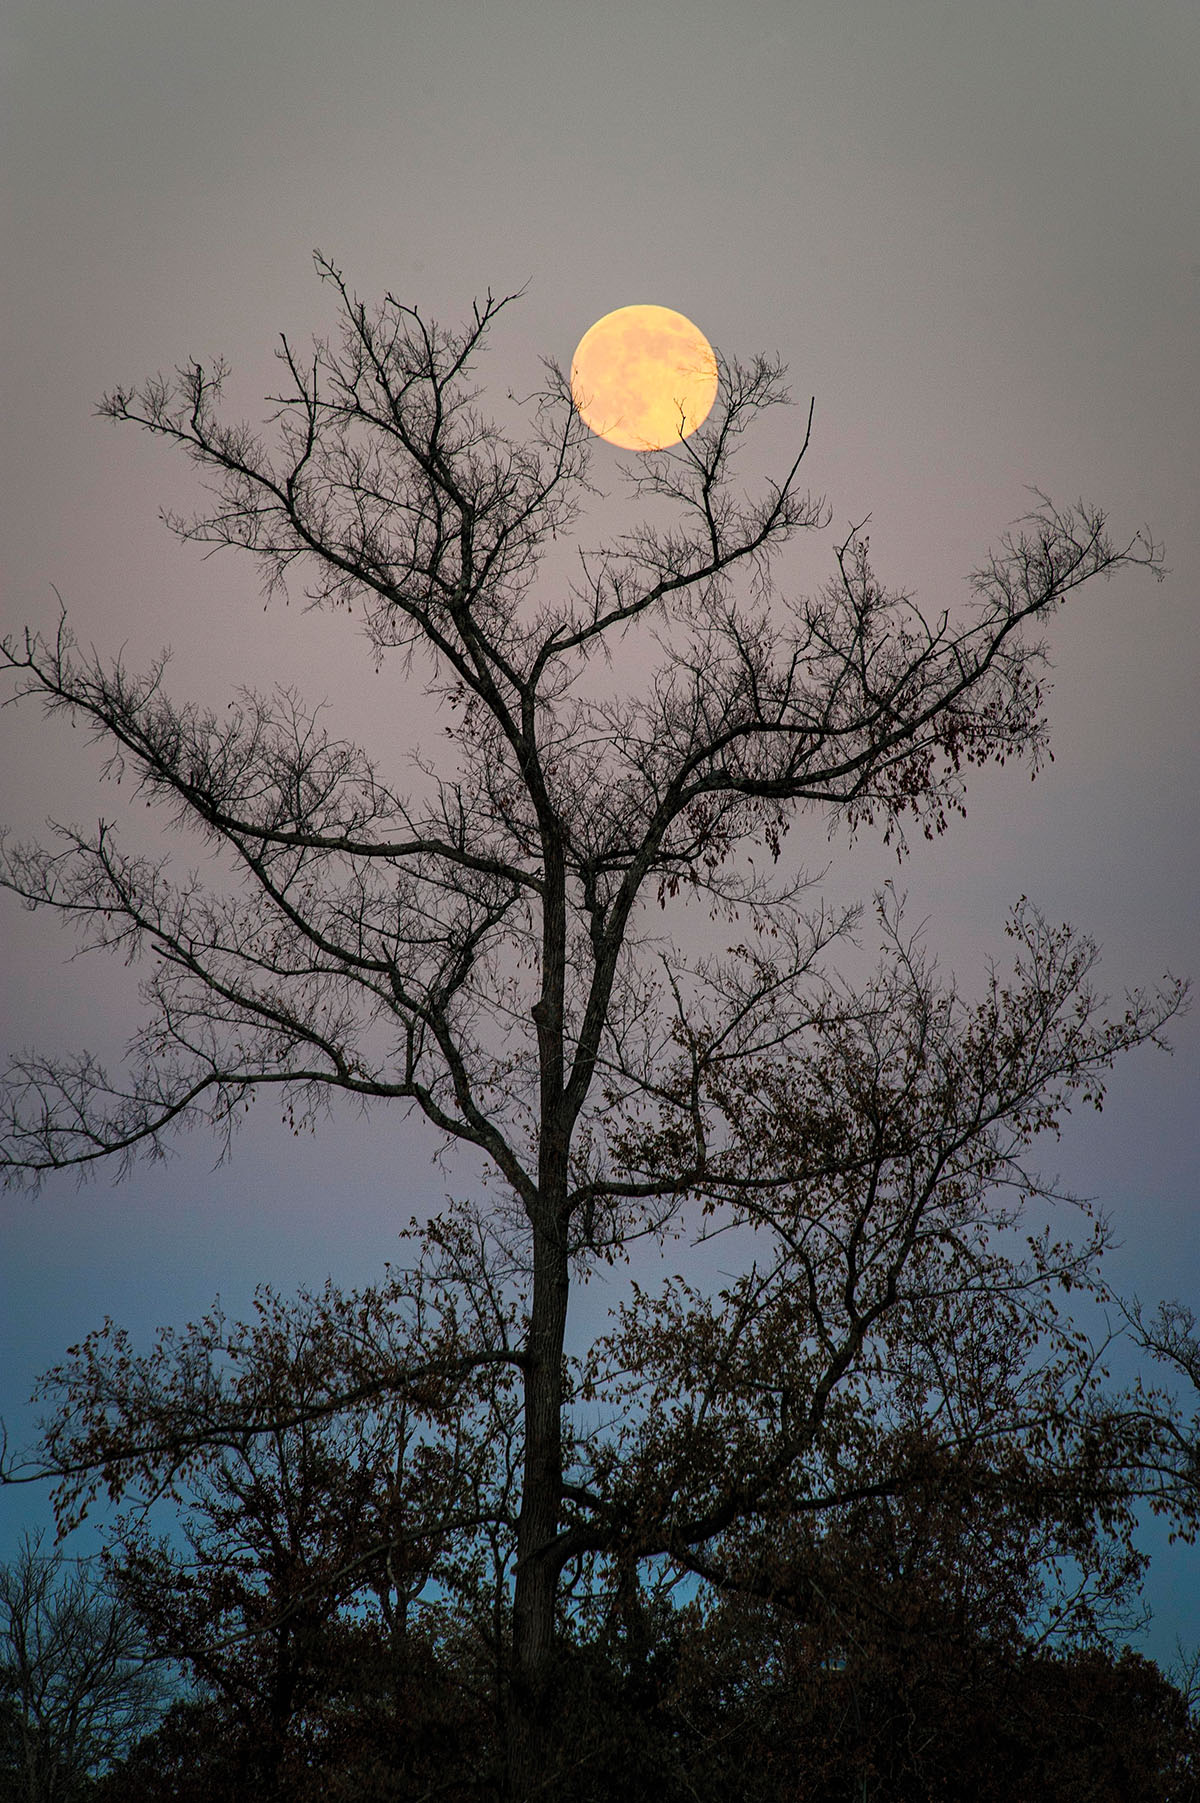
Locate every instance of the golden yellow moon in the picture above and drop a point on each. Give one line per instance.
(644, 378)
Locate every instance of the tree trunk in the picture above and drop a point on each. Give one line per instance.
(530, 1694)
(530, 1698)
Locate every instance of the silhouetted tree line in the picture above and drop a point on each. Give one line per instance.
(660, 1700)
(669, 1723)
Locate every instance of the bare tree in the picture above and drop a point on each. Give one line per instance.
(482, 953)
(73, 1675)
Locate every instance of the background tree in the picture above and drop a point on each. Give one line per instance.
(481, 953)
(340, 1452)
(1170, 1451)
(76, 1684)
(777, 1719)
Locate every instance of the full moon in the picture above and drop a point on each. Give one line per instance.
(644, 378)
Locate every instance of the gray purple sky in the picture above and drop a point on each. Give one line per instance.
(970, 230)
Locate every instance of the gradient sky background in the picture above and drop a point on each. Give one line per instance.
(971, 232)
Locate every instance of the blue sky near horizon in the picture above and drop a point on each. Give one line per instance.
(970, 231)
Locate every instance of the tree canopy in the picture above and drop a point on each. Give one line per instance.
(486, 951)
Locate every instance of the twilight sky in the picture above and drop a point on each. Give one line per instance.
(971, 232)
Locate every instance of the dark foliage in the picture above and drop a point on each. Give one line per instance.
(674, 1710)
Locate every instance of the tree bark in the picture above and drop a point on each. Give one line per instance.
(530, 1687)
(536, 1581)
